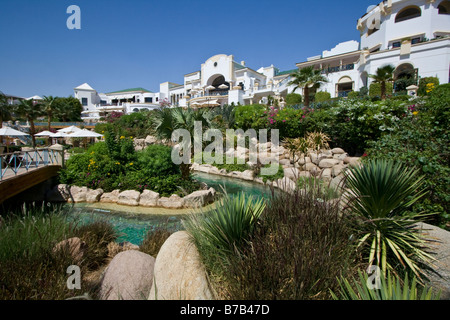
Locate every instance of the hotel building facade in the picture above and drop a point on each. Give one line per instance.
(411, 35)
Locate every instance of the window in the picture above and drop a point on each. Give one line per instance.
(408, 13)
(157, 99)
(148, 100)
(415, 40)
(444, 7)
(372, 31)
(84, 101)
(397, 44)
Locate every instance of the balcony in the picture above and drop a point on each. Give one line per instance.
(345, 67)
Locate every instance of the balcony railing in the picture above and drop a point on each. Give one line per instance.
(346, 67)
(15, 163)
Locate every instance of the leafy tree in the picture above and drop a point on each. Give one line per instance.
(293, 98)
(382, 76)
(29, 110)
(68, 109)
(49, 108)
(5, 113)
(307, 78)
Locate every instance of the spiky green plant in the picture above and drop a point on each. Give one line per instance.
(390, 288)
(226, 227)
(380, 194)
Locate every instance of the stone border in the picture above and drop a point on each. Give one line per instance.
(148, 198)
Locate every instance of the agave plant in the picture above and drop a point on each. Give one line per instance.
(391, 288)
(227, 226)
(380, 194)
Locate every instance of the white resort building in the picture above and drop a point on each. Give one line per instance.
(412, 35)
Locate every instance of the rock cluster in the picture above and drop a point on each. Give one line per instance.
(148, 198)
(140, 144)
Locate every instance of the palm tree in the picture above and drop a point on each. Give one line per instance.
(167, 120)
(29, 110)
(307, 78)
(49, 108)
(383, 75)
(5, 112)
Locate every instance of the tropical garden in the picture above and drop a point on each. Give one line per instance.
(307, 244)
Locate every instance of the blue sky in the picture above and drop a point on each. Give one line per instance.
(141, 43)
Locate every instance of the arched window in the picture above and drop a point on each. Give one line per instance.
(408, 13)
(444, 7)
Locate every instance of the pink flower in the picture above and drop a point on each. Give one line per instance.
(284, 120)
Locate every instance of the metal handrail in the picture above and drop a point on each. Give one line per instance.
(42, 157)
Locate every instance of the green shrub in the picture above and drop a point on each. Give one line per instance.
(375, 89)
(390, 288)
(293, 98)
(322, 96)
(423, 88)
(353, 95)
(297, 251)
(156, 160)
(250, 116)
(381, 194)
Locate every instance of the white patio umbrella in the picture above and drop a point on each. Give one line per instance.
(69, 129)
(210, 87)
(85, 134)
(10, 132)
(223, 86)
(44, 134)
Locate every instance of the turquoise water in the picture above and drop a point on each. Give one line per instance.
(133, 226)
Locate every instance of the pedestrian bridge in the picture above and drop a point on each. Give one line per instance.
(22, 170)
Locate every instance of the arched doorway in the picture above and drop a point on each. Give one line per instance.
(344, 87)
(221, 86)
(404, 76)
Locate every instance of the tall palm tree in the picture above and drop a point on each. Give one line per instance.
(167, 120)
(49, 107)
(382, 76)
(307, 78)
(5, 111)
(29, 110)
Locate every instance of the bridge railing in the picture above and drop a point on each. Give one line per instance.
(23, 161)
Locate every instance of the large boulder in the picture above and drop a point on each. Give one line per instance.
(129, 198)
(150, 140)
(199, 198)
(110, 197)
(74, 246)
(292, 173)
(439, 244)
(286, 184)
(179, 273)
(173, 202)
(129, 276)
(94, 195)
(59, 193)
(78, 194)
(149, 198)
(248, 175)
(328, 163)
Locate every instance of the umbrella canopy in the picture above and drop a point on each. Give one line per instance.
(59, 135)
(223, 86)
(210, 88)
(85, 134)
(7, 131)
(44, 134)
(69, 129)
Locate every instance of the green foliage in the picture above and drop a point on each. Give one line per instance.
(353, 95)
(250, 116)
(67, 109)
(293, 99)
(298, 249)
(273, 177)
(30, 269)
(391, 288)
(381, 194)
(375, 89)
(423, 82)
(322, 96)
(219, 232)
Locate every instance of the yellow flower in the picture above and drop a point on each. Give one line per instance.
(131, 163)
(415, 113)
(122, 137)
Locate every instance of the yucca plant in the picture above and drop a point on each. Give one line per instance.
(380, 194)
(220, 231)
(391, 288)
